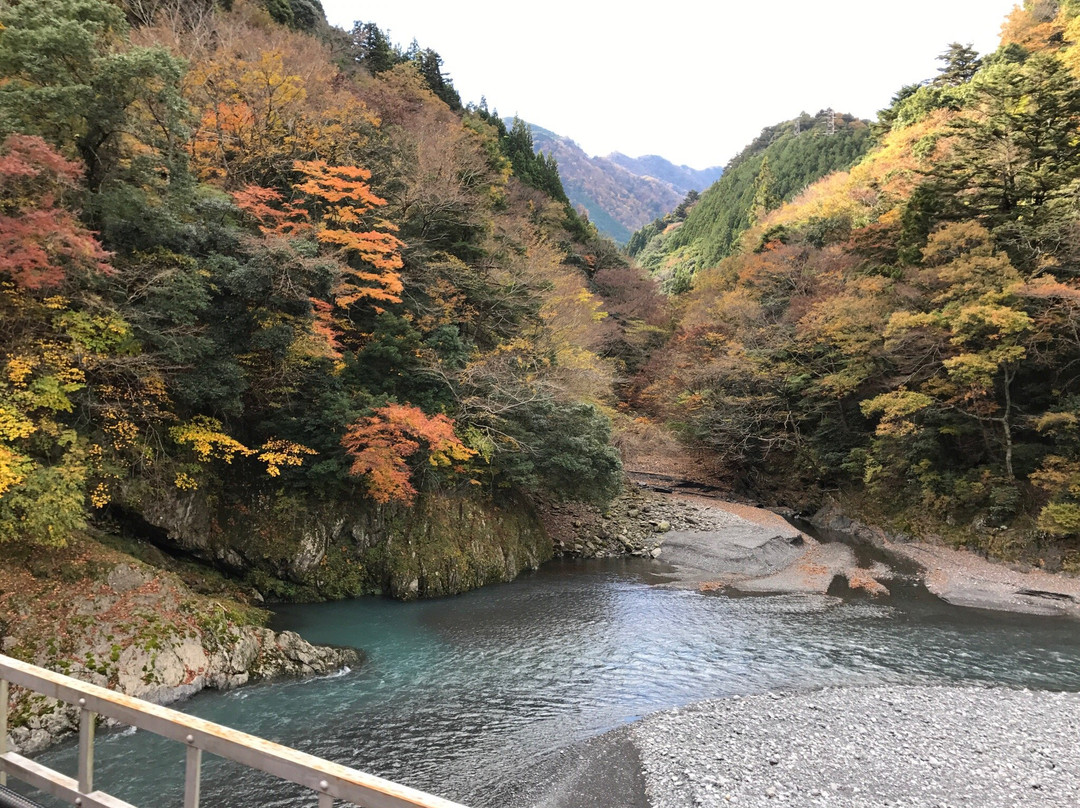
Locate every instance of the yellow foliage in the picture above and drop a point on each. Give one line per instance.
(99, 497)
(206, 439)
(19, 369)
(14, 425)
(277, 453)
(185, 482)
(12, 469)
(896, 409)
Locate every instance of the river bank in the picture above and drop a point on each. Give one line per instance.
(99, 615)
(863, 747)
(717, 545)
(961, 577)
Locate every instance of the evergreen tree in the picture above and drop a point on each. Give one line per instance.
(429, 63)
(372, 48)
(68, 74)
(765, 198)
(962, 62)
(1016, 162)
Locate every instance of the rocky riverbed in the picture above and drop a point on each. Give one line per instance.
(862, 747)
(883, 746)
(715, 545)
(710, 544)
(963, 578)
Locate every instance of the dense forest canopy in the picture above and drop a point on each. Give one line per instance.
(244, 252)
(905, 330)
(780, 162)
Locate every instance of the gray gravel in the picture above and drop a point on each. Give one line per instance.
(867, 747)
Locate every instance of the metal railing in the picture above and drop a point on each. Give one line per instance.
(330, 781)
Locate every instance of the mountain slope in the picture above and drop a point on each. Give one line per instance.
(621, 194)
(681, 178)
(902, 337)
(781, 161)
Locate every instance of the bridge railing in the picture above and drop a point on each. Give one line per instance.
(330, 781)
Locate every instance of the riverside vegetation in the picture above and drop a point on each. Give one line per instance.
(275, 304)
(902, 334)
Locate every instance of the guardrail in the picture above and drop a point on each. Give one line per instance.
(330, 781)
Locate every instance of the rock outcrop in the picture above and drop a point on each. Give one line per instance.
(296, 548)
(143, 632)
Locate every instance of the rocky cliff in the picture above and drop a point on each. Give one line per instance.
(311, 549)
(97, 614)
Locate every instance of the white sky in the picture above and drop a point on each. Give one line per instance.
(691, 81)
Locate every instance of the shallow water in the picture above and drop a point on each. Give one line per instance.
(462, 693)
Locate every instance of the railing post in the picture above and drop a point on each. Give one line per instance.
(3, 726)
(326, 801)
(87, 723)
(193, 777)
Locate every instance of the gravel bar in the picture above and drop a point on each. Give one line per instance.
(867, 747)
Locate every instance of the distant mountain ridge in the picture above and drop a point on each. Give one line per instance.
(621, 194)
(682, 178)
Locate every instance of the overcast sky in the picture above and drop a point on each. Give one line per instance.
(691, 81)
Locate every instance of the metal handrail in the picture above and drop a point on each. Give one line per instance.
(331, 781)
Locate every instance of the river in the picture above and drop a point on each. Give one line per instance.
(461, 694)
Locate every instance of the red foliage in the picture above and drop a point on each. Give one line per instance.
(269, 209)
(380, 443)
(41, 243)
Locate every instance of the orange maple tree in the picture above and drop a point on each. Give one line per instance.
(380, 444)
(334, 203)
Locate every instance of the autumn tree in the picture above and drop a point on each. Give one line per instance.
(381, 444)
(958, 357)
(265, 98)
(42, 243)
(333, 204)
(69, 75)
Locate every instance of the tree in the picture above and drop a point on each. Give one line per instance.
(962, 62)
(1016, 158)
(42, 244)
(429, 63)
(69, 74)
(333, 203)
(372, 48)
(961, 352)
(381, 443)
(764, 194)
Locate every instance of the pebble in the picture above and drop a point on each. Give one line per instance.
(853, 748)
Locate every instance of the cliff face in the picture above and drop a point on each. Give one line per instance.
(308, 549)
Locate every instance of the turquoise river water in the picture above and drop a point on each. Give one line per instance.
(460, 694)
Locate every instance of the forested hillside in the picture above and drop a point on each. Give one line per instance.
(904, 334)
(779, 163)
(263, 282)
(619, 193)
